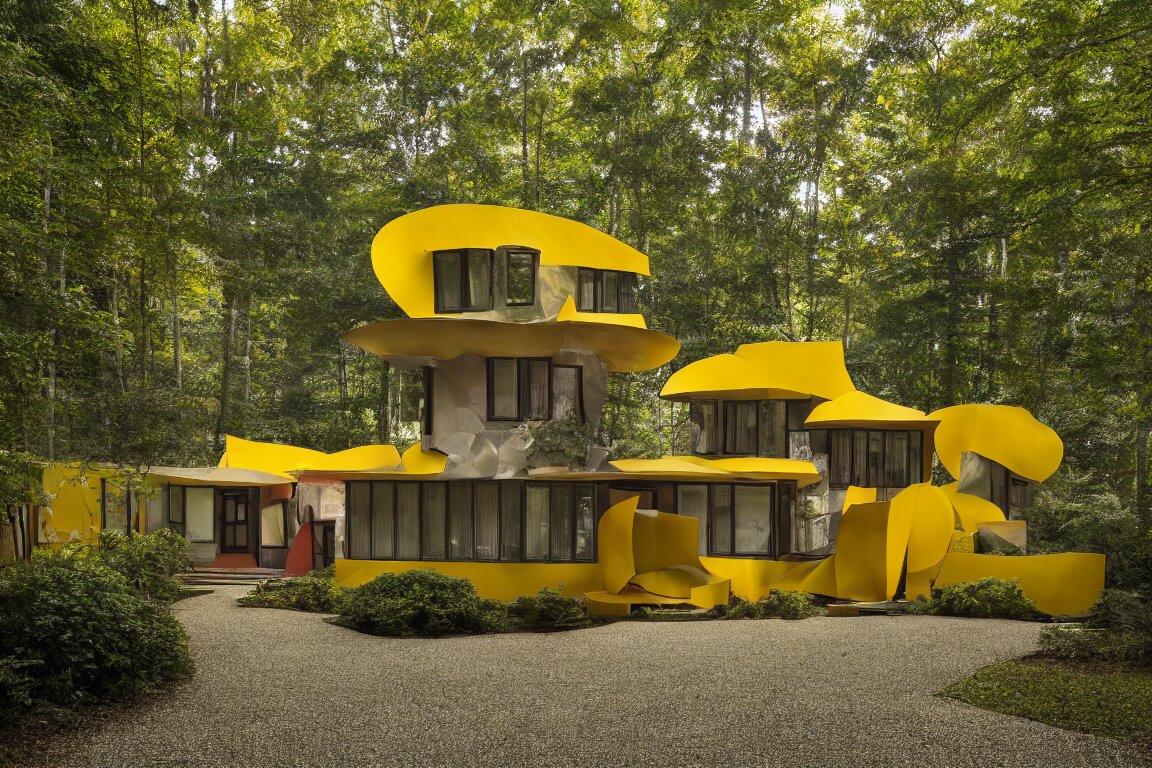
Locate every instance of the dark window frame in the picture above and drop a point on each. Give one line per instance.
(523, 368)
(128, 514)
(260, 527)
(426, 412)
(505, 487)
(911, 468)
(535, 267)
(695, 404)
(579, 390)
(730, 407)
(439, 273)
(627, 285)
(773, 552)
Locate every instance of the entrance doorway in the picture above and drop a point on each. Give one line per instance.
(323, 544)
(234, 521)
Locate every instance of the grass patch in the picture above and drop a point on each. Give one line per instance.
(1113, 701)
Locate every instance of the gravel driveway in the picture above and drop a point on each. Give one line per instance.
(279, 688)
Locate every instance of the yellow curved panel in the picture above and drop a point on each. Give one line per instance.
(1006, 434)
(616, 558)
(73, 512)
(972, 510)
(624, 348)
(857, 495)
(687, 467)
(932, 524)
(417, 461)
(402, 249)
(1060, 584)
(858, 408)
(870, 551)
(569, 312)
(781, 369)
(674, 581)
(752, 579)
(497, 581)
(277, 457)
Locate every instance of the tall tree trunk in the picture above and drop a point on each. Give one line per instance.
(228, 338)
(383, 415)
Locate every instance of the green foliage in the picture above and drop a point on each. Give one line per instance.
(76, 632)
(548, 611)
(420, 604)
(559, 442)
(147, 562)
(1107, 702)
(988, 598)
(315, 593)
(777, 604)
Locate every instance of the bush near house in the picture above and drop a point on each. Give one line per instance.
(777, 604)
(988, 598)
(315, 593)
(76, 631)
(548, 611)
(1119, 631)
(149, 563)
(420, 604)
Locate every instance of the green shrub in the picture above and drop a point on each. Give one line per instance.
(988, 598)
(420, 604)
(548, 611)
(777, 604)
(75, 632)
(315, 594)
(148, 562)
(1118, 630)
(1085, 644)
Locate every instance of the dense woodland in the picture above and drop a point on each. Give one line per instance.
(960, 190)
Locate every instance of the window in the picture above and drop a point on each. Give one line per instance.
(606, 290)
(520, 278)
(466, 520)
(117, 505)
(773, 439)
(875, 459)
(272, 525)
(530, 389)
(740, 517)
(740, 420)
(692, 501)
(426, 401)
(199, 517)
(463, 280)
(176, 508)
(702, 413)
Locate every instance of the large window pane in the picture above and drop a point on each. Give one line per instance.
(840, 462)
(433, 514)
(460, 521)
(566, 392)
(511, 501)
(627, 292)
(875, 459)
(502, 379)
(407, 521)
(740, 427)
(176, 507)
(520, 278)
(703, 416)
(773, 435)
(753, 516)
(692, 501)
(562, 522)
(609, 291)
(479, 280)
(585, 522)
(860, 458)
(487, 505)
(915, 457)
(383, 503)
(200, 518)
(115, 509)
(448, 270)
(721, 518)
(534, 389)
(536, 516)
(896, 459)
(359, 521)
(586, 290)
(272, 525)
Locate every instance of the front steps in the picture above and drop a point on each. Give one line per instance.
(201, 576)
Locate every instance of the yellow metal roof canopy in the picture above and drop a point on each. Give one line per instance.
(770, 369)
(859, 409)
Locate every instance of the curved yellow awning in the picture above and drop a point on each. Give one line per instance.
(218, 476)
(748, 468)
(280, 458)
(1006, 434)
(770, 369)
(624, 348)
(859, 409)
(402, 249)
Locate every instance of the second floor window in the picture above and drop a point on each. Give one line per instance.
(531, 389)
(463, 280)
(875, 458)
(520, 278)
(606, 290)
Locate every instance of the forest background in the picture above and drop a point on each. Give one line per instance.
(959, 190)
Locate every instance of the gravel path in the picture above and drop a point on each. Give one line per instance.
(279, 688)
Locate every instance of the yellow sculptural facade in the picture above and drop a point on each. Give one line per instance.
(796, 480)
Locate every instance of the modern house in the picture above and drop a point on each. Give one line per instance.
(796, 479)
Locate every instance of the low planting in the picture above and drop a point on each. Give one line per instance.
(777, 604)
(77, 631)
(1118, 631)
(988, 598)
(148, 563)
(548, 611)
(314, 593)
(420, 604)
